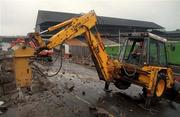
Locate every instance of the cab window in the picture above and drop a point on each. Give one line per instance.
(162, 54)
(153, 49)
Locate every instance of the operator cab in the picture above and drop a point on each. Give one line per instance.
(142, 49)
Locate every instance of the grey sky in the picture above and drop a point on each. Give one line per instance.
(18, 17)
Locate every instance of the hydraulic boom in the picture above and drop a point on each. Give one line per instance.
(75, 27)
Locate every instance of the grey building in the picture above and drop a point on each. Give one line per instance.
(108, 26)
(170, 35)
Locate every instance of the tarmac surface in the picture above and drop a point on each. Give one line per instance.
(77, 92)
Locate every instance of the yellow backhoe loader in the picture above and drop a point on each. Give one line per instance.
(142, 61)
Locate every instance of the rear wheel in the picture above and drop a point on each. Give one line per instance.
(160, 89)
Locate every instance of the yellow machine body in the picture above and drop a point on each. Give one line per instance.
(22, 69)
(108, 69)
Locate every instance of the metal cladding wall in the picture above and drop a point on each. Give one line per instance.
(81, 51)
(173, 49)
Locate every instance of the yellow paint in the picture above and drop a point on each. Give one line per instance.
(22, 69)
(151, 79)
(160, 88)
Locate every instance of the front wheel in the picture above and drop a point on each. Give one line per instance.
(120, 84)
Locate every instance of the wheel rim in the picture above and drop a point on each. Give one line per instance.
(160, 88)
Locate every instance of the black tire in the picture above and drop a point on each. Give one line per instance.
(161, 76)
(120, 84)
(154, 99)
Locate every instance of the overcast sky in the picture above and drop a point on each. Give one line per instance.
(18, 17)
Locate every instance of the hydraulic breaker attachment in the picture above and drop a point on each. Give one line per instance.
(22, 69)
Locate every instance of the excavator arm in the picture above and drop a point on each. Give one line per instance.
(75, 27)
(70, 29)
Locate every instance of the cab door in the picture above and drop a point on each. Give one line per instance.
(157, 53)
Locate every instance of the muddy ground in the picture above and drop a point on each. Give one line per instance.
(77, 92)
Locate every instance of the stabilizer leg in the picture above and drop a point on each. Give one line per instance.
(106, 87)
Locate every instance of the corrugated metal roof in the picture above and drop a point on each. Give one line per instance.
(51, 16)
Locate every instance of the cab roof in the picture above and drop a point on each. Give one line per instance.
(142, 35)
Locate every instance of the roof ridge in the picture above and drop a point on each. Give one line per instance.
(55, 16)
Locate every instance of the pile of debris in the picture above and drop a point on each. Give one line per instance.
(7, 80)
